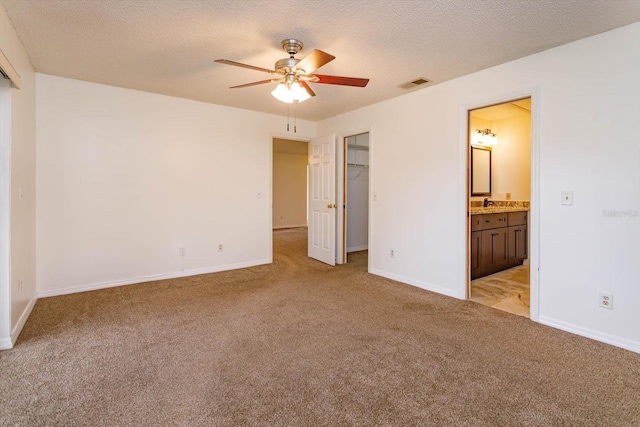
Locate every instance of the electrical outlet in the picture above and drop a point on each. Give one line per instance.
(508, 196)
(606, 300)
(221, 247)
(183, 251)
(392, 253)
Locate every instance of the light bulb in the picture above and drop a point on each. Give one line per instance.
(477, 138)
(282, 93)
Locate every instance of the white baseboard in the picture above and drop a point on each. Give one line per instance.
(8, 342)
(23, 319)
(590, 333)
(5, 343)
(417, 283)
(289, 226)
(358, 248)
(143, 279)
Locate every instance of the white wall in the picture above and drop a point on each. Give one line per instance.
(126, 178)
(290, 189)
(22, 209)
(510, 157)
(589, 110)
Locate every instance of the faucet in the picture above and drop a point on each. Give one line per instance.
(487, 202)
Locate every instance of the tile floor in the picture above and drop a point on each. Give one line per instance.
(507, 290)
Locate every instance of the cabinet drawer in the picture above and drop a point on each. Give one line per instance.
(489, 221)
(518, 218)
(476, 222)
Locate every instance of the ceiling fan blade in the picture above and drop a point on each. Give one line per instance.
(314, 60)
(307, 88)
(261, 82)
(238, 64)
(337, 80)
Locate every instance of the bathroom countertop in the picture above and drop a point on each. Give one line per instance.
(496, 209)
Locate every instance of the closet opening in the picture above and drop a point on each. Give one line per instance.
(356, 197)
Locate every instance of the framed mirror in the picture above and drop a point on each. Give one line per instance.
(480, 171)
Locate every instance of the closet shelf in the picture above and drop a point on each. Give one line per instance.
(358, 147)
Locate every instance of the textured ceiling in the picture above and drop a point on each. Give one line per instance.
(168, 46)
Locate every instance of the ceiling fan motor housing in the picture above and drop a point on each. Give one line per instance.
(291, 46)
(286, 65)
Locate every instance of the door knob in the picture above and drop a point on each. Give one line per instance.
(329, 205)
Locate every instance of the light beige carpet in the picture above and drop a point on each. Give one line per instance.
(298, 343)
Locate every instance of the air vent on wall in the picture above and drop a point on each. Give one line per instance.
(415, 83)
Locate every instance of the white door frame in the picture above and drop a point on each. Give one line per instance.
(5, 214)
(534, 205)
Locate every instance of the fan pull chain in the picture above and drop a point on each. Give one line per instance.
(287, 117)
(295, 117)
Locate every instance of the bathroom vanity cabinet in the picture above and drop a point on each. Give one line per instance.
(498, 242)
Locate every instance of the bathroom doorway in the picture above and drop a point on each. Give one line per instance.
(499, 195)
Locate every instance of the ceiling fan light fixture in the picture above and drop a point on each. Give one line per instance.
(290, 92)
(299, 93)
(282, 93)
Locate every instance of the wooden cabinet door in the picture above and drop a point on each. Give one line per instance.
(476, 251)
(518, 247)
(494, 246)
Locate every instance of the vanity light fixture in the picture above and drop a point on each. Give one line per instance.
(484, 137)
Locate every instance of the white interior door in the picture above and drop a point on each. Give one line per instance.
(322, 199)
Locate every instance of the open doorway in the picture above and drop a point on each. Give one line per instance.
(356, 197)
(289, 203)
(499, 194)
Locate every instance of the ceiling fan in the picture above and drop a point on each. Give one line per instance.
(294, 75)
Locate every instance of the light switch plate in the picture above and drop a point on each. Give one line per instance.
(566, 198)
